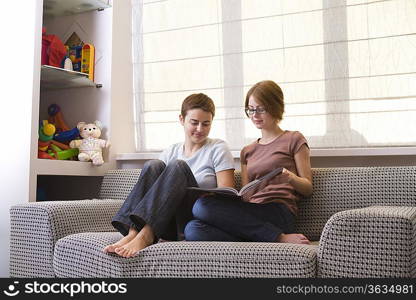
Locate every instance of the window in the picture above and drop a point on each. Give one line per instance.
(347, 67)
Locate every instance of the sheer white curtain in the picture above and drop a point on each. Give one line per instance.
(347, 67)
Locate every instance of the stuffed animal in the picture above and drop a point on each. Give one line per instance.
(90, 146)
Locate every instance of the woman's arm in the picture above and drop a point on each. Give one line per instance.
(303, 182)
(244, 175)
(225, 178)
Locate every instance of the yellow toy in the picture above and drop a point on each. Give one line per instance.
(88, 59)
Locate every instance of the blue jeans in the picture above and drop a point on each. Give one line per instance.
(223, 219)
(160, 199)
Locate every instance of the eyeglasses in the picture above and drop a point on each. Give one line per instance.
(252, 111)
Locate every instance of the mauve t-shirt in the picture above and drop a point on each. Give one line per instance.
(261, 159)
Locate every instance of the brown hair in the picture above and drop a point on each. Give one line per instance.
(200, 101)
(270, 95)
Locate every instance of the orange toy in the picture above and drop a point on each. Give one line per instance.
(44, 155)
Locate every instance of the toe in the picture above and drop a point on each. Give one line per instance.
(109, 248)
(119, 251)
(130, 254)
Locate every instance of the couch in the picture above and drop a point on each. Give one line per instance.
(362, 219)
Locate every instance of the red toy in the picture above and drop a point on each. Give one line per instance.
(53, 50)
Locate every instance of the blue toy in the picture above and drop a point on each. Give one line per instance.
(66, 136)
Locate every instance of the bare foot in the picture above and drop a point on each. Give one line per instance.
(142, 240)
(131, 235)
(293, 238)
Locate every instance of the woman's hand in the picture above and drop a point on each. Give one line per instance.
(302, 185)
(287, 175)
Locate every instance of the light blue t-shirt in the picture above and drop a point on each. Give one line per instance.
(213, 157)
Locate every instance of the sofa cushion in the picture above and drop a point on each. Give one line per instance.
(340, 189)
(118, 183)
(81, 255)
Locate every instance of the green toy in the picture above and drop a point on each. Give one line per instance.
(65, 154)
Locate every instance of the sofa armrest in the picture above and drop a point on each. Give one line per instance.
(36, 226)
(376, 241)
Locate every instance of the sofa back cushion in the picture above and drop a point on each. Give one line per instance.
(335, 190)
(338, 189)
(117, 184)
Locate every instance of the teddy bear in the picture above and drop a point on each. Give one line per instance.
(90, 146)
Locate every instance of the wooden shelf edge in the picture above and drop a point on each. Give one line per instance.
(55, 8)
(58, 78)
(68, 168)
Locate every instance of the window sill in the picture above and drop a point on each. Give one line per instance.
(342, 152)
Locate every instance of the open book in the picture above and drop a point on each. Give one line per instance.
(245, 191)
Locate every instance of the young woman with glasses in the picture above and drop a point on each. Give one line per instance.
(269, 214)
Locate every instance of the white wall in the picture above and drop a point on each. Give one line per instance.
(18, 31)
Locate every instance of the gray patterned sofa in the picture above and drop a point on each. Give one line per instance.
(363, 218)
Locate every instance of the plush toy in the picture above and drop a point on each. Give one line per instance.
(90, 146)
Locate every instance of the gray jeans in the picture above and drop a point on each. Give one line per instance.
(160, 199)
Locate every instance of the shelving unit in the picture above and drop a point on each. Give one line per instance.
(74, 92)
